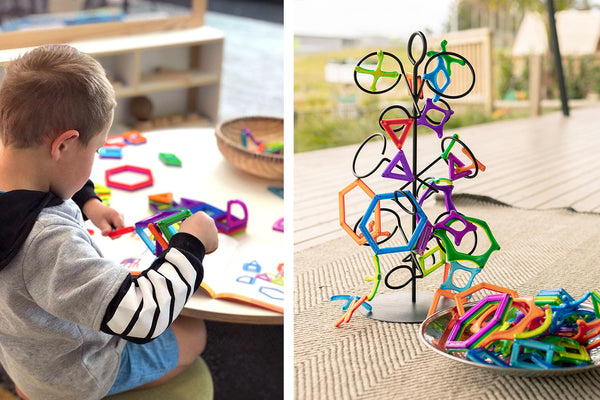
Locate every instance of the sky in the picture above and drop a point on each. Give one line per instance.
(360, 18)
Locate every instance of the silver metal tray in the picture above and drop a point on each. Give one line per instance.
(433, 328)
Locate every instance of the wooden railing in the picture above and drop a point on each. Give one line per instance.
(476, 46)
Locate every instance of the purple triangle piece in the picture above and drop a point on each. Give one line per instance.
(454, 162)
(406, 176)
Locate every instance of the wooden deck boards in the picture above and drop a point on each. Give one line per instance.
(539, 163)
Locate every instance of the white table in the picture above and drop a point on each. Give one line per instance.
(205, 176)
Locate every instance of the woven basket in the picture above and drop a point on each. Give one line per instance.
(266, 129)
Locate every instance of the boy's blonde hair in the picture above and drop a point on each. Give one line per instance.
(50, 90)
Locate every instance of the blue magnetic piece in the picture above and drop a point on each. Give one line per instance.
(348, 300)
(346, 297)
(517, 361)
(485, 356)
(246, 279)
(454, 266)
(140, 230)
(432, 77)
(394, 249)
(252, 266)
(110, 152)
(277, 190)
(271, 292)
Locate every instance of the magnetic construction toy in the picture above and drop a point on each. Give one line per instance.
(549, 331)
(433, 241)
(146, 177)
(226, 222)
(160, 226)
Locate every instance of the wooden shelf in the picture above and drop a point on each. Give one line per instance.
(189, 61)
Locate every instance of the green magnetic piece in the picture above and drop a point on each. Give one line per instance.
(454, 255)
(170, 159)
(164, 224)
(448, 59)
(378, 72)
(436, 181)
(376, 278)
(596, 302)
(447, 151)
(505, 347)
(435, 266)
(273, 147)
(567, 349)
(541, 301)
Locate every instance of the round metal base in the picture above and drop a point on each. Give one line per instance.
(399, 307)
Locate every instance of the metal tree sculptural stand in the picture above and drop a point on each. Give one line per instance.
(414, 306)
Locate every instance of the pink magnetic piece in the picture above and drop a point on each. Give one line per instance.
(454, 162)
(439, 129)
(458, 235)
(111, 182)
(504, 299)
(278, 225)
(399, 158)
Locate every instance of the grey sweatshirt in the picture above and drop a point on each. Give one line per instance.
(66, 312)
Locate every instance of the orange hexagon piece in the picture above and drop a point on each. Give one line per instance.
(375, 230)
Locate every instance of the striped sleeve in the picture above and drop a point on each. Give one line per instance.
(145, 306)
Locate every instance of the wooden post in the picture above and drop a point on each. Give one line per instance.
(535, 84)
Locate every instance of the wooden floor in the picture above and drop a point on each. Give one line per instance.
(540, 163)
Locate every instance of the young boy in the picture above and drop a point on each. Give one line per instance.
(74, 325)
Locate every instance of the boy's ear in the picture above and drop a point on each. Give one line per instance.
(62, 142)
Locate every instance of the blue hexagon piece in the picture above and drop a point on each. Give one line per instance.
(422, 218)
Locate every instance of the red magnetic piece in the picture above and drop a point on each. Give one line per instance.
(115, 141)
(110, 182)
(120, 232)
(388, 125)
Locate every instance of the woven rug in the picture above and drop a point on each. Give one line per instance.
(370, 359)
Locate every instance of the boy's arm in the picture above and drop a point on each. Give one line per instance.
(66, 276)
(145, 306)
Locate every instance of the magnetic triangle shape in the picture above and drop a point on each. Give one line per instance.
(453, 164)
(264, 277)
(388, 125)
(165, 198)
(399, 158)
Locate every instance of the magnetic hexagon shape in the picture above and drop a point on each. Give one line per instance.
(422, 218)
(359, 239)
(452, 254)
(504, 301)
(146, 177)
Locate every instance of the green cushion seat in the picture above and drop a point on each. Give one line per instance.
(195, 383)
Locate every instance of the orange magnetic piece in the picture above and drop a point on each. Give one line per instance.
(134, 137)
(409, 79)
(446, 271)
(447, 293)
(350, 311)
(388, 125)
(583, 334)
(375, 228)
(166, 198)
(480, 166)
(531, 311)
(158, 236)
(479, 322)
(461, 297)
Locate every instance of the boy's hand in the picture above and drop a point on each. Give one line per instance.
(203, 227)
(103, 217)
